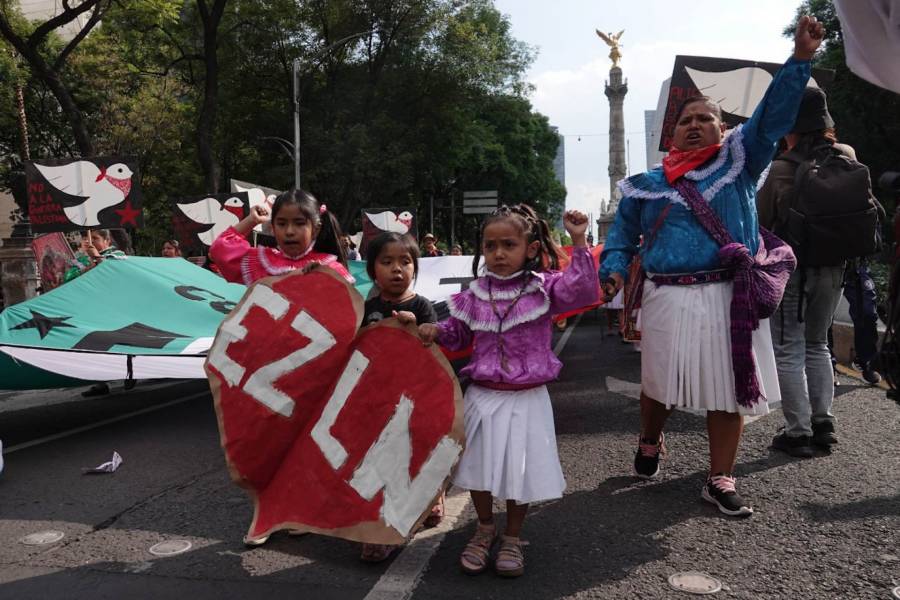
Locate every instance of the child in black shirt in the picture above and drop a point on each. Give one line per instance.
(392, 262)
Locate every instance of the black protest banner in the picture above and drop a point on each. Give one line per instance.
(199, 220)
(71, 194)
(736, 85)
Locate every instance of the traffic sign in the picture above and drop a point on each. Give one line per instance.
(479, 202)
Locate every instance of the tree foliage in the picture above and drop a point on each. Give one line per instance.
(429, 101)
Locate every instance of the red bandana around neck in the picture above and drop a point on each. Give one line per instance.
(678, 162)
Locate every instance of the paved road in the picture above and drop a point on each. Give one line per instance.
(828, 527)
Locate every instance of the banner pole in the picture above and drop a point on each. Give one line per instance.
(452, 218)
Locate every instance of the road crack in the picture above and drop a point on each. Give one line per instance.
(107, 523)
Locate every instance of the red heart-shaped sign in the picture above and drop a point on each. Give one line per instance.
(347, 433)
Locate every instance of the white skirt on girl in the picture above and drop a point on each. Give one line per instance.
(686, 349)
(510, 445)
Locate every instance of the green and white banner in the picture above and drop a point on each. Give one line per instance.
(140, 317)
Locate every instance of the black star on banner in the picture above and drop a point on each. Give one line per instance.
(43, 323)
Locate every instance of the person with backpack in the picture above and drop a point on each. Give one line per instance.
(818, 198)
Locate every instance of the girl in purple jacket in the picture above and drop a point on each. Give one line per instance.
(510, 439)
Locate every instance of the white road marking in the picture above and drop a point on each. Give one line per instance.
(140, 567)
(400, 580)
(64, 434)
(564, 339)
(404, 574)
(625, 388)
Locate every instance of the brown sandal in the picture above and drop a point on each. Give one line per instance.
(510, 560)
(437, 514)
(475, 556)
(375, 553)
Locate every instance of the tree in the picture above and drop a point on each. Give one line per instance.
(48, 66)
(431, 102)
(210, 18)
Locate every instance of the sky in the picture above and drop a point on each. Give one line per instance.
(572, 65)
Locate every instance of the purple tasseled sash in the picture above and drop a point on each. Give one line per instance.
(759, 284)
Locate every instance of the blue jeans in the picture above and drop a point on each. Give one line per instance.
(859, 291)
(801, 347)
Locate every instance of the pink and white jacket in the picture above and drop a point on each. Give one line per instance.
(239, 262)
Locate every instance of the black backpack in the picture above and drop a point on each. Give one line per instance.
(832, 215)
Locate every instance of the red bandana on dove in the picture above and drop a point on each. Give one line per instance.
(124, 185)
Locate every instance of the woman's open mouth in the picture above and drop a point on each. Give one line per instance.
(694, 137)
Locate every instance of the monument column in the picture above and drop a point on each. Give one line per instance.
(616, 88)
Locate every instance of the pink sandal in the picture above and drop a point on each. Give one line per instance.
(510, 558)
(476, 555)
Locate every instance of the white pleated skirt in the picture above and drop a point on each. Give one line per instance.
(510, 445)
(617, 303)
(686, 349)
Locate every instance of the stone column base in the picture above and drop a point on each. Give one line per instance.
(18, 273)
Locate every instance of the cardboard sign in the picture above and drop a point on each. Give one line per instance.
(199, 220)
(350, 434)
(378, 220)
(72, 194)
(54, 256)
(259, 195)
(736, 85)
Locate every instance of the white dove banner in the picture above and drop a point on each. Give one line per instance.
(737, 85)
(72, 194)
(379, 220)
(199, 220)
(259, 195)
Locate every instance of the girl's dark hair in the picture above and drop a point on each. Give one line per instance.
(104, 233)
(329, 239)
(532, 227)
(695, 99)
(379, 243)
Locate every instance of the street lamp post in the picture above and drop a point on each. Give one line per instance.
(295, 72)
